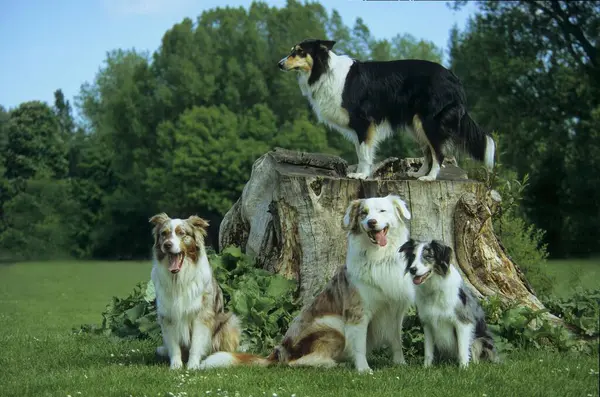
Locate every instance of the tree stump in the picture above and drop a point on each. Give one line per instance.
(289, 219)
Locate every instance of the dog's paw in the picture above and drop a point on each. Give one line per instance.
(427, 178)
(365, 370)
(176, 363)
(399, 361)
(162, 351)
(194, 364)
(357, 175)
(415, 174)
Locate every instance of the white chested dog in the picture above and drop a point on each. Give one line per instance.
(364, 303)
(189, 300)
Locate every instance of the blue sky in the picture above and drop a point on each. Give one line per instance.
(48, 45)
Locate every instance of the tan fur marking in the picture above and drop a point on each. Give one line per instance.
(307, 335)
(419, 131)
(355, 210)
(304, 63)
(371, 132)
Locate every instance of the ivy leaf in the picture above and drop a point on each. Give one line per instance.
(135, 312)
(278, 286)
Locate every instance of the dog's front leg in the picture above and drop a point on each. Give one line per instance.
(364, 152)
(464, 336)
(429, 345)
(396, 342)
(200, 344)
(170, 339)
(356, 337)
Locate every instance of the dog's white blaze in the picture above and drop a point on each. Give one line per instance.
(490, 149)
(418, 264)
(325, 95)
(174, 238)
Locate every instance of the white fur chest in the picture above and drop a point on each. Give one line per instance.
(325, 95)
(179, 297)
(436, 301)
(380, 275)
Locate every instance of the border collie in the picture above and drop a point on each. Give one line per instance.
(189, 301)
(452, 319)
(362, 307)
(369, 101)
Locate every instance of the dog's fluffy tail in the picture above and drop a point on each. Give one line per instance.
(477, 143)
(483, 348)
(228, 359)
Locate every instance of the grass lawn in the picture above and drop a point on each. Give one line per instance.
(41, 302)
(573, 273)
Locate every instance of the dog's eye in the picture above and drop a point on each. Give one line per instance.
(381, 210)
(300, 51)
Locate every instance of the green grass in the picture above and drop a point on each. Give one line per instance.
(570, 274)
(41, 302)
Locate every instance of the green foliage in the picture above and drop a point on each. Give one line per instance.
(531, 71)
(264, 303)
(581, 311)
(518, 327)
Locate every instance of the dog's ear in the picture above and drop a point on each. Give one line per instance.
(159, 218)
(400, 206)
(408, 250)
(442, 254)
(407, 247)
(327, 44)
(198, 223)
(350, 220)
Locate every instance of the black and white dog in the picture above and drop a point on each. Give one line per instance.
(368, 101)
(452, 319)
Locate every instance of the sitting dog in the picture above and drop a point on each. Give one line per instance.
(362, 306)
(452, 319)
(189, 301)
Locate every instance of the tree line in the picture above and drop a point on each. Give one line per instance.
(179, 129)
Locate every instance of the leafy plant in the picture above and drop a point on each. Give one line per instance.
(133, 317)
(581, 311)
(263, 301)
(518, 327)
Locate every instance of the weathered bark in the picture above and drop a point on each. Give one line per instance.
(289, 218)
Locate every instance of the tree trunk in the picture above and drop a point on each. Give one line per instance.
(290, 212)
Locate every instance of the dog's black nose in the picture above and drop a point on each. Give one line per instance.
(280, 64)
(412, 270)
(168, 245)
(372, 222)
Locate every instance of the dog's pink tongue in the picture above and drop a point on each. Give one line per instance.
(174, 263)
(381, 238)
